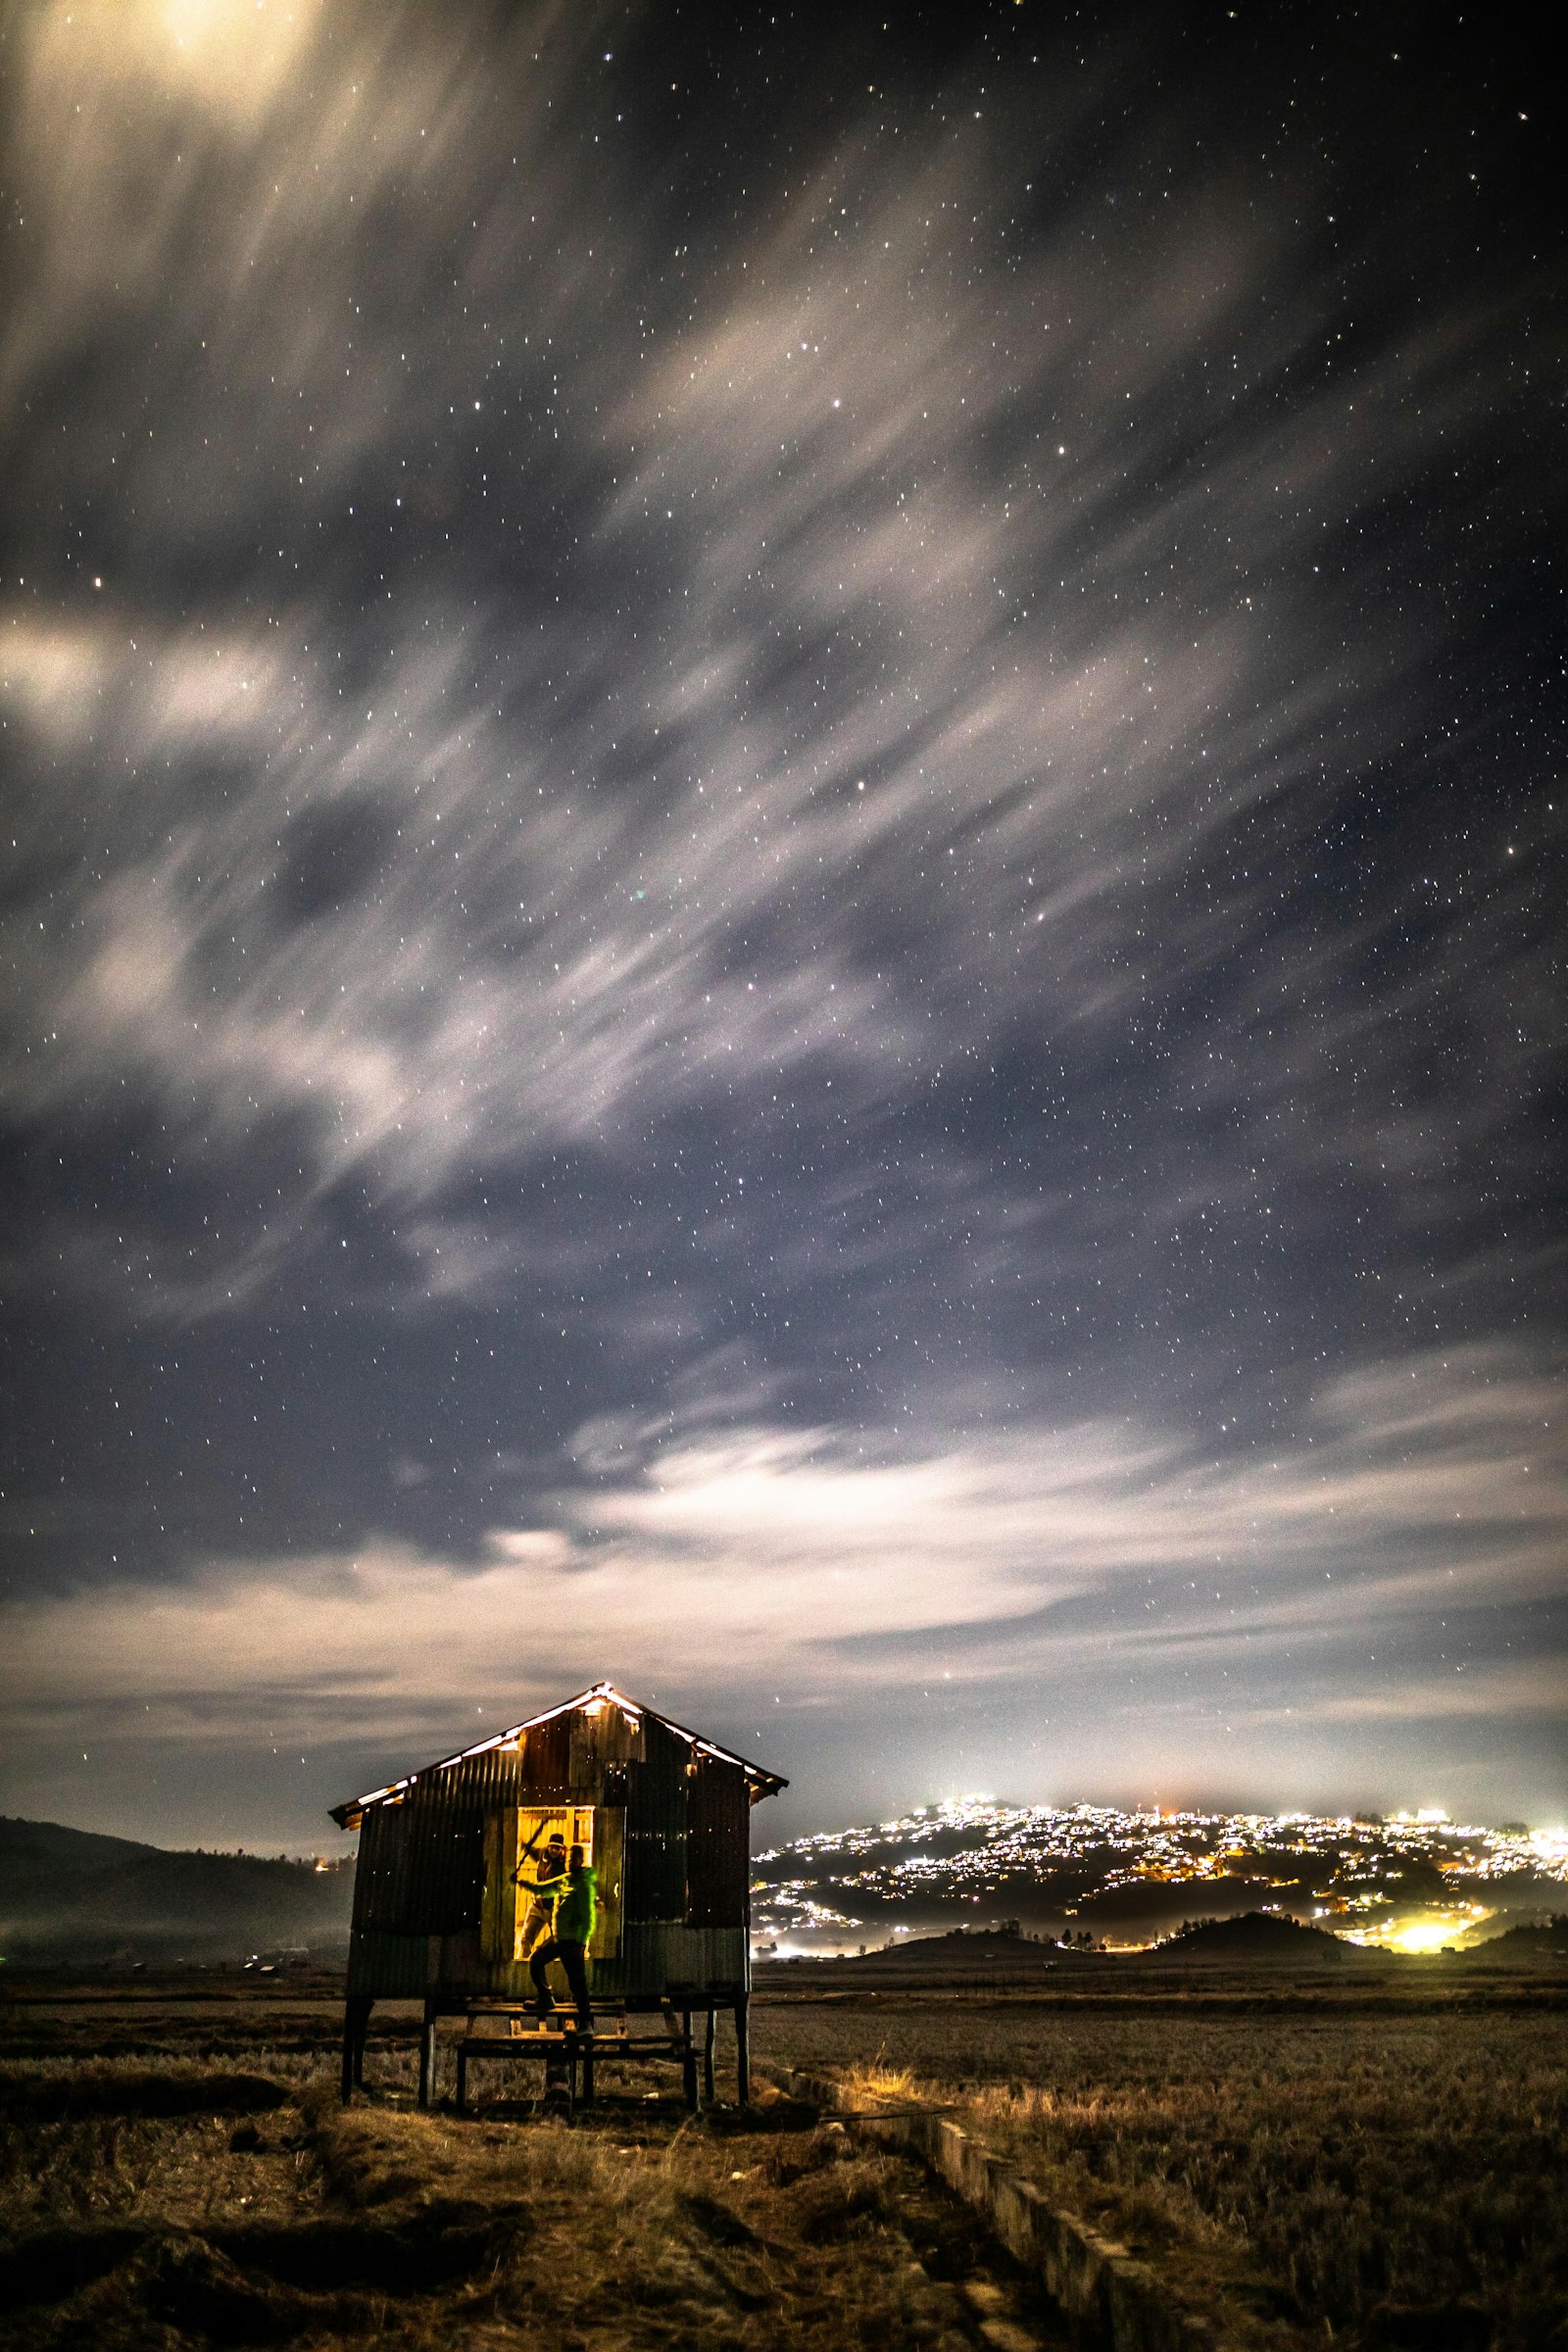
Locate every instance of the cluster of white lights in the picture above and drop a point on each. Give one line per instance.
(971, 1846)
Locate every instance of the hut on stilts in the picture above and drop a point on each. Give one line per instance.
(662, 1814)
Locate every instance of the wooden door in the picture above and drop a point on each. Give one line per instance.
(609, 1832)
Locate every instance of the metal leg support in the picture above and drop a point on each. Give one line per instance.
(707, 2055)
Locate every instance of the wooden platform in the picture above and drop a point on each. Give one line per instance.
(565, 2046)
(631, 2027)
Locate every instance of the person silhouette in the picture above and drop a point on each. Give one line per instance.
(575, 1909)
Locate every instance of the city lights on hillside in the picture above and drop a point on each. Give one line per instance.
(1369, 1878)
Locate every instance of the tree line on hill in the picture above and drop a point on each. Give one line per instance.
(71, 1895)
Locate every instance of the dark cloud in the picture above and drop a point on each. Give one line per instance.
(781, 895)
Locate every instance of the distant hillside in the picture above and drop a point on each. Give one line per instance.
(1530, 1940)
(975, 1943)
(965, 1952)
(1127, 1877)
(68, 1894)
(1259, 1935)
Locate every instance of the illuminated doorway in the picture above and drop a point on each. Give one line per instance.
(598, 1830)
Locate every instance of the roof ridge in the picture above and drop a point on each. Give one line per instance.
(606, 1692)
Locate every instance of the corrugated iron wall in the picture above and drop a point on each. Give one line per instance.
(379, 1871)
(431, 1896)
(664, 1959)
(656, 1829)
(609, 1860)
(391, 1967)
(422, 1866)
(544, 1758)
(718, 1845)
(446, 1884)
(601, 1741)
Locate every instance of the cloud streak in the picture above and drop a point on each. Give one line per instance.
(933, 714)
(1059, 1559)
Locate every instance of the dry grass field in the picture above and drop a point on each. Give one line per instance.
(1329, 2169)
(178, 2174)
(1310, 2168)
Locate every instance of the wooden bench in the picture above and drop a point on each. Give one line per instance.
(566, 2044)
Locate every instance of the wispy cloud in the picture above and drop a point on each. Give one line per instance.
(1060, 1559)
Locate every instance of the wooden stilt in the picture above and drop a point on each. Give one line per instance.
(360, 2029)
(707, 2055)
(688, 2066)
(743, 2053)
(356, 2019)
(427, 2056)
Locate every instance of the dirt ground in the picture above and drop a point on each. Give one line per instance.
(177, 2172)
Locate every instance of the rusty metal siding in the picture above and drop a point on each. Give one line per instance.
(663, 1959)
(444, 1894)
(380, 1873)
(433, 1907)
(599, 1743)
(388, 1967)
(600, 1726)
(478, 1783)
(609, 1860)
(421, 1863)
(497, 1932)
(544, 1765)
(655, 1827)
(446, 1869)
(659, 1959)
(718, 1845)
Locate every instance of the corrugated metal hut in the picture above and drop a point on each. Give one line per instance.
(666, 1817)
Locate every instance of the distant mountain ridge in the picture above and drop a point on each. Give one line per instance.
(75, 1895)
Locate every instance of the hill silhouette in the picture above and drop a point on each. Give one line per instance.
(964, 1949)
(971, 1957)
(1259, 1935)
(1527, 1940)
(73, 1895)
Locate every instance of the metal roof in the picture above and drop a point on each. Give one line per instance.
(762, 1782)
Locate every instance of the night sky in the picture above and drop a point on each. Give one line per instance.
(784, 859)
